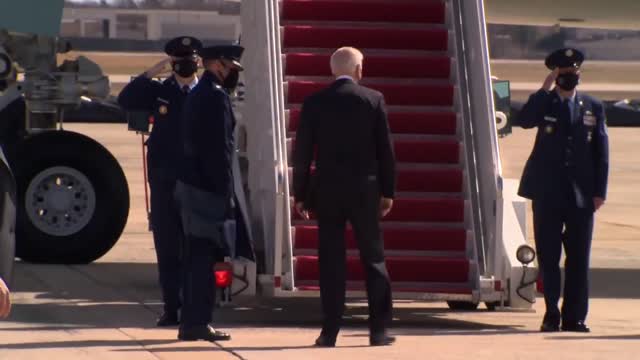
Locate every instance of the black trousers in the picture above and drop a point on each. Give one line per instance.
(361, 209)
(199, 282)
(167, 237)
(550, 217)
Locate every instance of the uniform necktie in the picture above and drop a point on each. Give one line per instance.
(567, 107)
(185, 89)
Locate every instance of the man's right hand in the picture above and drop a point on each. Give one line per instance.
(5, 300)
(302, 211)
(551, 79)
(158, 68)
(385, 206)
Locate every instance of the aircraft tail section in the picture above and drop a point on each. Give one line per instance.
(32, 16)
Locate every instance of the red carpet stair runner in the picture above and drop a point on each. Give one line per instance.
(407, 58)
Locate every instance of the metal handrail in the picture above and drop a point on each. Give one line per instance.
(481, 141)
(466, 113)
(283, 239)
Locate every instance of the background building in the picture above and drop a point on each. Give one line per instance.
(143, 25)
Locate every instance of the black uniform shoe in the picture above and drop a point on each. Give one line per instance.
(575, 327)
(549, 326)
(206, 333)
(168, 319)
(325, 341)
(381, 339)
(550, 322)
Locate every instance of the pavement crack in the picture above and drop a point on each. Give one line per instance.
(140, 343)
(230, 351)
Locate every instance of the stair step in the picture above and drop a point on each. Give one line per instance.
(425, 180)
(401, 269)
(394, 94)
(412, 67)
(417, 151)
(427, 210)
(372, 52)
(396, 108)
(436, 123)
(297, 36)
(397, 287)
(424, 210)
(387, 224)
(392, 253)
(406, 137)
(395, 239)
(429, 180)
(430, 12)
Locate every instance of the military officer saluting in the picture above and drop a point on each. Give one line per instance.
(566, 177)
(205, 188)
(165, 100)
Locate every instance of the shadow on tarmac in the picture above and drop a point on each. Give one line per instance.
(125, 295)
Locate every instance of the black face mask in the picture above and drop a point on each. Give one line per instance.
(185, 67)
(568, 81)
(231, 81)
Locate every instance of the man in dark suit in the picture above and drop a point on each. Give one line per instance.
(165, 100)
(346, 127)
(205, 186)
(566, 177)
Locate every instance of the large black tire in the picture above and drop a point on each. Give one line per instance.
(79, 216)
(462, 305)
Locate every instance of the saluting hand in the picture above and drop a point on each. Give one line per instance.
(5, 300)
(385, 206)
(598, 202)
(158, 68)
(551, 79)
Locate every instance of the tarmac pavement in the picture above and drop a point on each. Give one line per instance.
(107, 310)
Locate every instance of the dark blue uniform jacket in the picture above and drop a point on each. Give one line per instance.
(207, 134)
(569, 152)
(164, 100)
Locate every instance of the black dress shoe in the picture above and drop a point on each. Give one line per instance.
(206, 333)
(575, 327)
(325, 341)
(168, 319)
(549, 326)
(381, 339)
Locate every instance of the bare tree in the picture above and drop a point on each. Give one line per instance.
(152, 4)
(192, 4)
(127, 4)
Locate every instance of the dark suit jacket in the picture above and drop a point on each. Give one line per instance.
(567, 151)
(344, 129)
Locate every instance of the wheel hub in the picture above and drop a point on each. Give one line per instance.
(60, 201)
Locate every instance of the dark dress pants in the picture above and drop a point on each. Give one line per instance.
(558, 223)
(360, 208)
(167, 237)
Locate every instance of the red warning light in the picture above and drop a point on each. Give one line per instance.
(224, 274)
